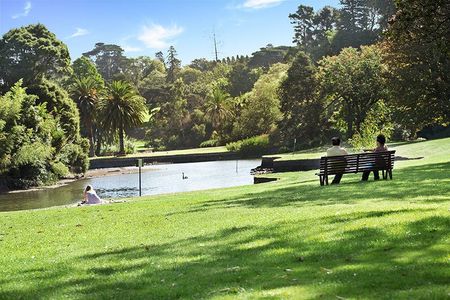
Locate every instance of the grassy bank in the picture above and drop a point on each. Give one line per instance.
(286, 239)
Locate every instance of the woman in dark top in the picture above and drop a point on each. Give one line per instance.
(381, 147)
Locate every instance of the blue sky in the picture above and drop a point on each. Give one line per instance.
(143, 27)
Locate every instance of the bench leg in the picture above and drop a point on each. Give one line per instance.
(321, 180)
(326, 179)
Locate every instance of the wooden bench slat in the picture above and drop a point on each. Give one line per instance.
(355, 163)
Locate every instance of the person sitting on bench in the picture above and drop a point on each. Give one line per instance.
(381, 147)
(336, 150)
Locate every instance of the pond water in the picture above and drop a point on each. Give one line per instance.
(156, 179)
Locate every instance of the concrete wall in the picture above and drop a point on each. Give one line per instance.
(290, 165)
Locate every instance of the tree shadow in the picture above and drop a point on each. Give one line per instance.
(358, 263)
(330, 255)
(420, 182)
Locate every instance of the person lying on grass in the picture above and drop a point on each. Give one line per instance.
(90, 196)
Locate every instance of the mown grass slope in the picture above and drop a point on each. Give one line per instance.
(290, 239)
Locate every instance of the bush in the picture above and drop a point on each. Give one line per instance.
(254, 146)
(209, 143)
(112, 149)
(377, 121)
(59, 169)
(75, 157)
(30, 166)
(234, 146)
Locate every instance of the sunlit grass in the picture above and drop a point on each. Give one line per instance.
(290, 239)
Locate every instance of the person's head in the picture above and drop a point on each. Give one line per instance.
(336, 141)
(381, 139)
(88, 188)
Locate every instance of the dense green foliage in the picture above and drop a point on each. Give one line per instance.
(31, 53)
(35, 148)
(290, 239)
(352, 83)
(357, 70)
(417, 50)
(301, 107)
(40, 124)
(251, 147)
(122, 109)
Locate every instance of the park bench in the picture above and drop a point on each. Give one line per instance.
(355, 163)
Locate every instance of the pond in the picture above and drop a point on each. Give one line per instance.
(156, 179)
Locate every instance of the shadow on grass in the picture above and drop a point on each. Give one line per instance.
(420, 183)
(365, 263)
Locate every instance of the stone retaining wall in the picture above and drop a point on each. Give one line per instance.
(117, 162)
(290, 165)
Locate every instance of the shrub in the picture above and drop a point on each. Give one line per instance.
(209, 143)
(254, 146)
(30, 166)
(75, 157)
(234, 146)
(377, 121)
(130, 146)
(59, 169)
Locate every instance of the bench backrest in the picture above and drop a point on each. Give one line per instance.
(354, 163)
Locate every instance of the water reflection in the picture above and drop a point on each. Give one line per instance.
(158, 179)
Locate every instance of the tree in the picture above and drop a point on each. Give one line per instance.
(136, 69)
(217, 107)
(160, 56)
(417, 50)
(303, 21)
(86, 92)
(122, 108)
(312, 30)
(300, 105)
(33, 148)
(353, 15)
(109, 60)
(31, 52)
(266, 56)
(261, 109)
(352, 82)
(173, 65)
(59, 104)
(242, 78)
(202, 64)
(84, 67)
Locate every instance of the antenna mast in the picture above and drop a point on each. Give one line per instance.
(215, 46)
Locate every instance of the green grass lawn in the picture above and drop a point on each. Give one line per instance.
(290, 239)
(322, 151)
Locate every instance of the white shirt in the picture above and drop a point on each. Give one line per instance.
(92, 198)
(336, 151)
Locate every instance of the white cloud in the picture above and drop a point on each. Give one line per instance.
(257, 4)
(78, 32)
(26, 11)
(157, 37)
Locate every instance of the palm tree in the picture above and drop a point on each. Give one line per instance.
(217, 107)
(122, 108)
(85, 91)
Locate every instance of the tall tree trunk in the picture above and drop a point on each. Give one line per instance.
(121, 140)
(349, 120)
(91, 142)
(98, 146)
